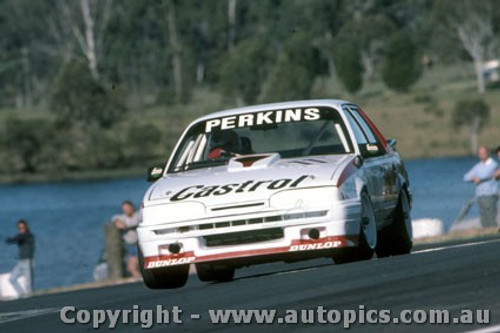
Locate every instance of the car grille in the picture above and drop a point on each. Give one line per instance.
(244, 237)
(242, 222)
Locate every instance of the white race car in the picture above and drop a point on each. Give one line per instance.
(276, 182)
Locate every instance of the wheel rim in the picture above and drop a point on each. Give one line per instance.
(405, 210)
(368, 225)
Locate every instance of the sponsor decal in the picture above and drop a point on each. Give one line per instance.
(202, 191)
(315, 246)
(170, 262)
(156, 171)
(262, 118)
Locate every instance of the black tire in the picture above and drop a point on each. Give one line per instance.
(214, 272)
(397, 238)
(364, 250)
(163, 278)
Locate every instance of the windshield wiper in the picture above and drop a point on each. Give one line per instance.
(321, 131)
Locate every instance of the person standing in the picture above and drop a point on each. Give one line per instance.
(497, 173)
(24, 268)
(127, 223)
(482, 174)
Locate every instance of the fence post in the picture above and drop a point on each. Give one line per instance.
(114, 251)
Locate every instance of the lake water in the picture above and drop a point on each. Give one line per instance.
(68, 218)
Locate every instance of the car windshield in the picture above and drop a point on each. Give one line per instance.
(291, 133)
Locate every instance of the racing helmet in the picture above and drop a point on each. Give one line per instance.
(227, 140)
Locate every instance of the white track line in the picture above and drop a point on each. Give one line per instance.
(6, 317)
(491, 329)
(456, 246)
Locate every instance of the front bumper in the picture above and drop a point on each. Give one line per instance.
(335, 226)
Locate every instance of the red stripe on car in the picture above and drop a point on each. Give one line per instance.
(374, 128)
(341, 241)
(349, 170)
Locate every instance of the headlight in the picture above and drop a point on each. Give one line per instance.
(304, 199)
(166, 213)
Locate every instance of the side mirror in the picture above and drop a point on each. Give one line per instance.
(358, 161)
(391, 143)
(155, 173)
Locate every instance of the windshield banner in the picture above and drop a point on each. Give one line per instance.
(263, 118)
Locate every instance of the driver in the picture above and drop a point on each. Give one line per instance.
(224, 144)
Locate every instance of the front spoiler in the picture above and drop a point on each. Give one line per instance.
(295, 247)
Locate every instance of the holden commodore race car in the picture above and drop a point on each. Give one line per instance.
(276, 182)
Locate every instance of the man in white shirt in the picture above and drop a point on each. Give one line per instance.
(483, 175)
(127, 223)
(497, 173)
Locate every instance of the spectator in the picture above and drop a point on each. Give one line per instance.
(127, 223)
(497, 173)
(482, 174)
(25, 242)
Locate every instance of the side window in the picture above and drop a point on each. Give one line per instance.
(358, 133)
(373, 139)
(366, 128)
(359, 136)
(367, 141)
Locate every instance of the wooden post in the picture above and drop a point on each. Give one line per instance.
(114, 251)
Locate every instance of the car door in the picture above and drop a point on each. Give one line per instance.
(389, 163)
(378, 163)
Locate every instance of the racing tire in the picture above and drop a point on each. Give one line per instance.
(397, 239)
(163, 278)
(210, 273)
(367, 235)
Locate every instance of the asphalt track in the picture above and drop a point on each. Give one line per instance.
(453, 276)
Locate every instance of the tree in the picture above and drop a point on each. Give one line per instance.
(231, 23)
(472, 114)
(348, 64)
(136, 58)
(370, 33)
(142, 139)
(293, 75)
(104, 149)
(24, 140)
(324, 18)
(78, 99)
(175, 45)
(90, 35)
(472, 22)
(243, 71)
(402, 66)
(287, 81)
(24, 68)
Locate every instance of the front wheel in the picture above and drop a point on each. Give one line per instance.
(163, 278)
(367, 235)
(397, 238)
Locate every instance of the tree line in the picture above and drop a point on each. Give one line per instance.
(91, 62)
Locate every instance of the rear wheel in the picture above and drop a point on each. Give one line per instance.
(163, 278)
(367, 235)
(397, 238)
(208, 272)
